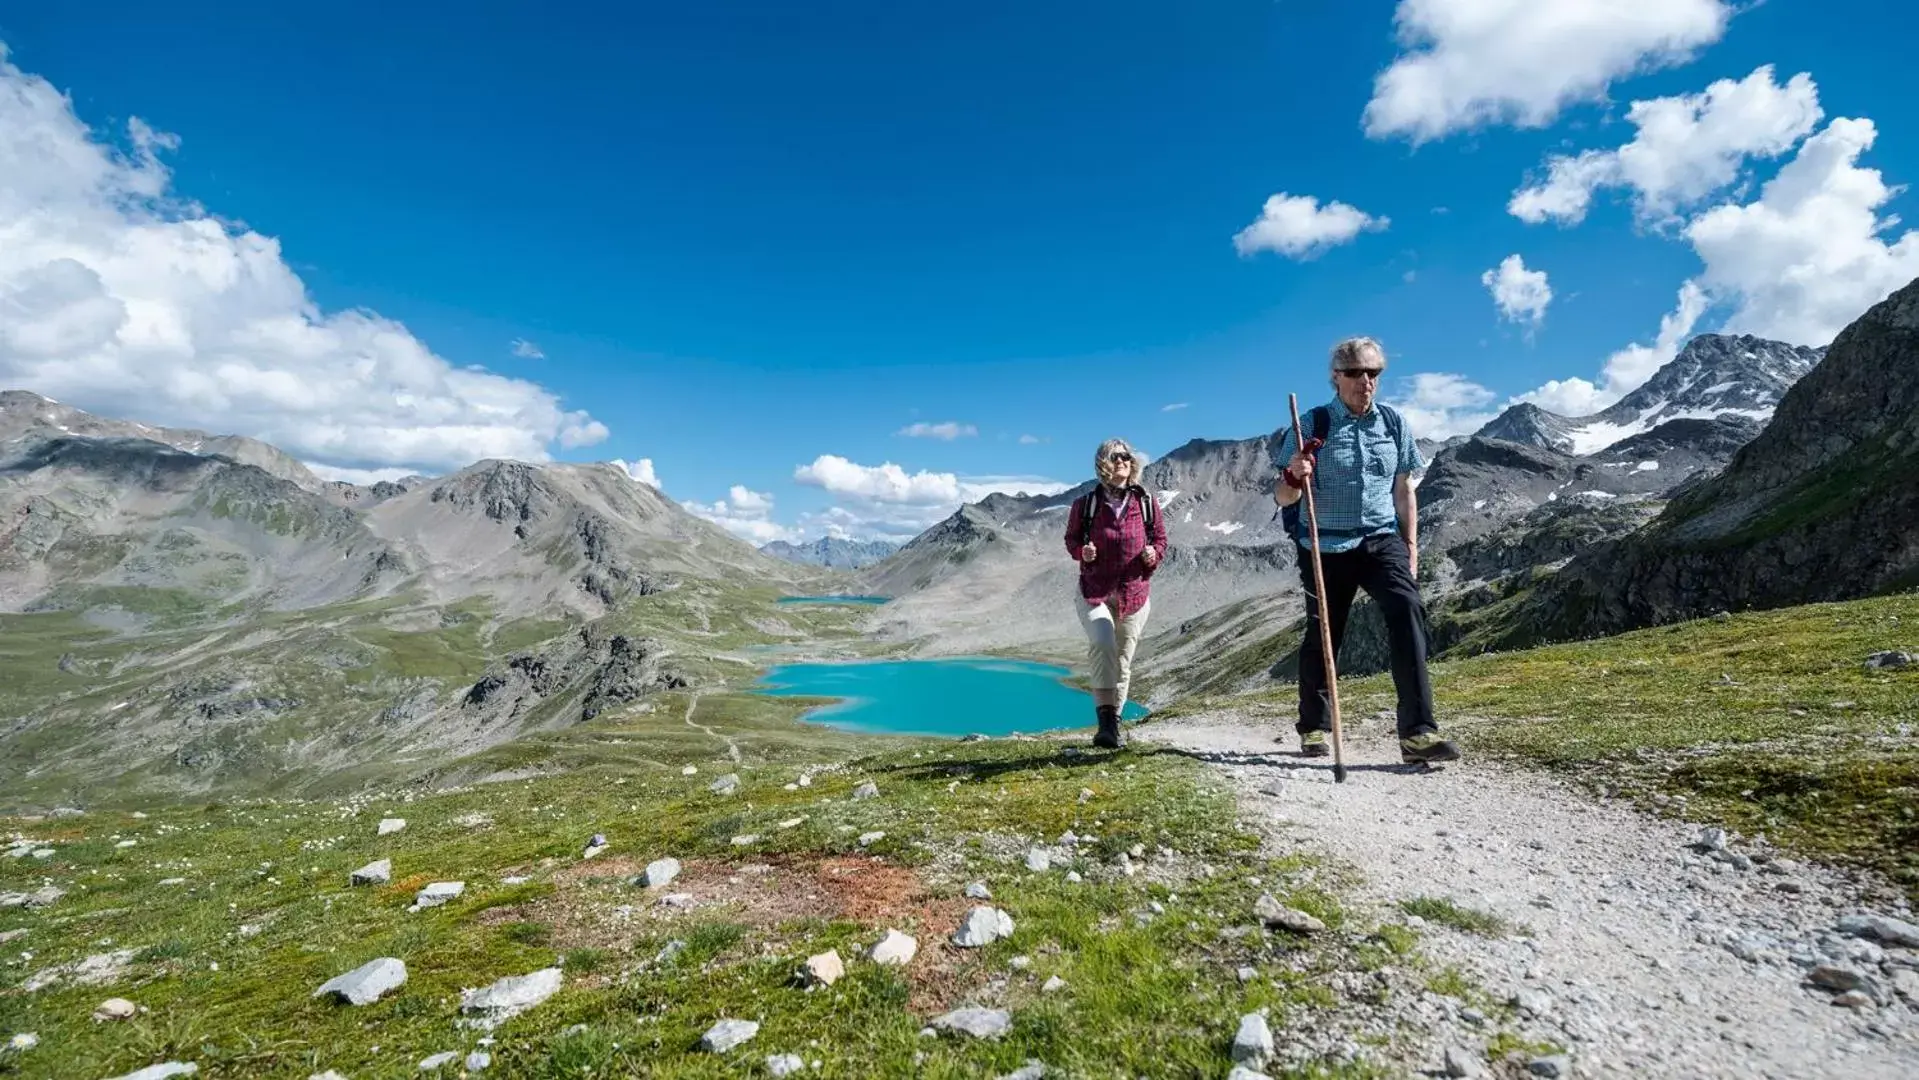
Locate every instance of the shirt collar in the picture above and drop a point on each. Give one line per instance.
(1340, 408)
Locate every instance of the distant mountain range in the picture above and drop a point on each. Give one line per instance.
(1713, 376)
(832, 552)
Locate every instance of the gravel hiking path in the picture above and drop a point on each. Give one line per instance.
(1632, 948)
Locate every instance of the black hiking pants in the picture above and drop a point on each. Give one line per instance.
(1380, 566)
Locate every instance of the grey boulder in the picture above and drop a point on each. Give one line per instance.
(367, 983)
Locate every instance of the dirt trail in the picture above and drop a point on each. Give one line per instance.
(732, 748)
(1630, 942)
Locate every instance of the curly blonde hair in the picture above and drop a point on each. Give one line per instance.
(1117, 446)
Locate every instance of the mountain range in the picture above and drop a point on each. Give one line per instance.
(192, 611)
(832, 552)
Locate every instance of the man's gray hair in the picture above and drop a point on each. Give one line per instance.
(1357, 350)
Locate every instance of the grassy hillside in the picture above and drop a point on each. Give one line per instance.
(231, 914)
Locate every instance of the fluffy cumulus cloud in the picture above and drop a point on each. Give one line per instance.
(745, 513)
(641, 471)
(1438, 405)
(1298, 227)
(1626, 370)
(947, 431)
(1687, 148)
(119, 297)
(1520, 294)
(886, 500)
(1812, 253)
(1468, 63)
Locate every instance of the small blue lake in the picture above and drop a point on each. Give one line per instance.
(834, 599)
(939, 697)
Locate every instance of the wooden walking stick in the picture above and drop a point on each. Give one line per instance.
(1319, 593)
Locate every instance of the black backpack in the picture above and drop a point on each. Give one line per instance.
(1321, 422)
(1090, 502)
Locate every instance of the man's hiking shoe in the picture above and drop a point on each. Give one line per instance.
(1427, 748)
(1315, 744)
(1108, 736)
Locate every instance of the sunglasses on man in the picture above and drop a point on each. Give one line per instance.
(1357, 373)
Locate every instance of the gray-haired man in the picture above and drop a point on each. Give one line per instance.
(1359, 457)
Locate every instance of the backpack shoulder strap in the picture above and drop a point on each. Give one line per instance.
(1087, 504)
(1322, 422)
(1148, 507)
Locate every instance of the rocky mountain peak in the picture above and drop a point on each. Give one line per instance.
(24, 413)
(1716, 374)
(833, 552)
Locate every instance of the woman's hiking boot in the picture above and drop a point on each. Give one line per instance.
(1108, 736)
(1315, 744)
(1425, 748)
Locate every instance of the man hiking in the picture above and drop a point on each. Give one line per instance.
(1359, 457)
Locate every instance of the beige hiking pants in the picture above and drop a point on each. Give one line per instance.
(1110, 642)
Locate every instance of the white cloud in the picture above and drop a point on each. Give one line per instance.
(361, 477)
(119, 297)
(526, 350)
(746, 514)
(1687, 147)
(1175, 407)
(1468, 63)
(886, 500)
(1626, 370)
(749, 501)
(1298, 227)
(1439, 405)
(1808, 256)
(1030, 440)
(886, 483)
(1520, 294)
(948, 431)
(641, 470)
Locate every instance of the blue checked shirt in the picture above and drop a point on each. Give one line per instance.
(1353, 474)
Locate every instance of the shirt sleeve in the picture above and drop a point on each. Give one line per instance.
(1410, 459)
(1283, 453)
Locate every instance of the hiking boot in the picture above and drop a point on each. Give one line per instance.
(1108, 736)
(1315, 744)
(1427, 747)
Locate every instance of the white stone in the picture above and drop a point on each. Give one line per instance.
(1253, 1045)
(871, 838)
(373, 873)
(868, 790)
(982, 927)
(978, 891)
(1038, 861)
(825, 969)
(1273, 913)
(478, 1061)
(389, 826)
(784, 1064)
(367, 983)
(509, 997)
(978, 1023)
(728, 1035)
(894, 950)
(1053, 985)
(1241, 1072)
(444, 1057)
(162, 1071)
(725, 785)
(115, 1009)
(437, 893)
(660, 873)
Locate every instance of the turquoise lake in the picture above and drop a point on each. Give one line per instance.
(939, 697)
(833, 599)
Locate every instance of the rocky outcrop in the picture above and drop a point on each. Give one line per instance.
(602, 671)
(1821, 506)
(1550, 534)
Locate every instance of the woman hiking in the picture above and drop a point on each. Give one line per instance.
(1116, 533)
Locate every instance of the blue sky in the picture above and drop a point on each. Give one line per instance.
(753, 243)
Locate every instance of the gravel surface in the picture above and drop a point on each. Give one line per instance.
(1643, 946)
